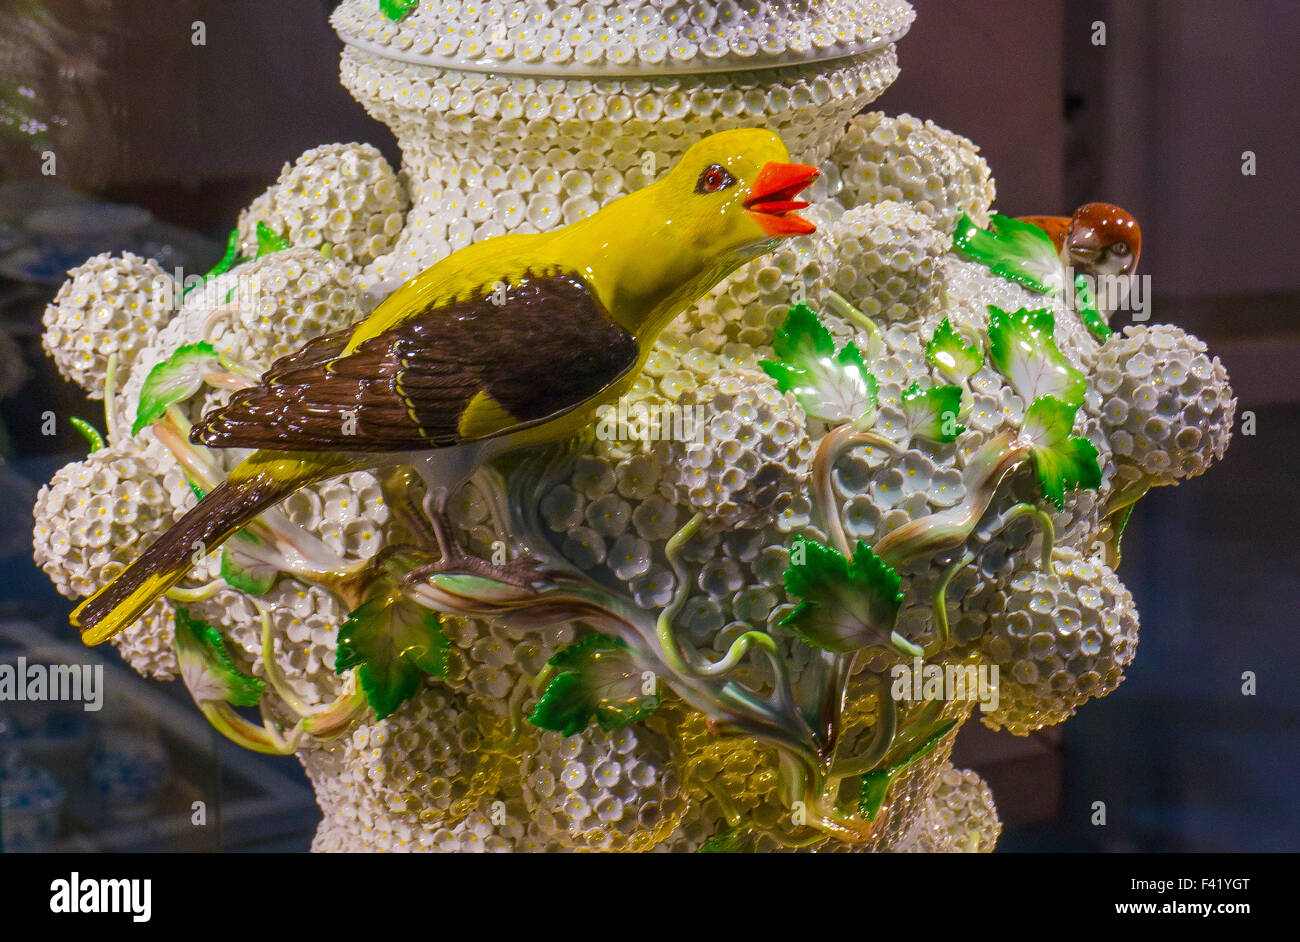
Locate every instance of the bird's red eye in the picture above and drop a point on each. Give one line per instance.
(713, 179)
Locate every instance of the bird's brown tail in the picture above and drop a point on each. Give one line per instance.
(213, 520)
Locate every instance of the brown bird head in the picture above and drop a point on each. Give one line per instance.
(1103, 240)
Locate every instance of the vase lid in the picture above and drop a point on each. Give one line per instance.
(615, 39)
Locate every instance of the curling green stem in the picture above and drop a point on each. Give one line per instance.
(828, 452)
(942, 633)
(1129, 496)
(882, 737)
(241, 732)
(89, 432)
(198, 594)
(736, 653)
(1048, 529)
(904, 645)
(947, 529)
(220, 380)
(916, 731)
(543, 677)
(331, 720)
(172, 430)
(667, 635)
(110, 397)
(1117, 534)
(664, 624)
(228, 260)
(850, 313)
(213, 316)
(272, 667)
(238, 367)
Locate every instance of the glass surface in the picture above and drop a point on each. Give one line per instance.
(158, 144)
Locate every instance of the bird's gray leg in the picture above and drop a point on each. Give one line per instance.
(520, 572)
(435, 510)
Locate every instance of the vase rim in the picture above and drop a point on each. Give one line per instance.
(598, 41)
(639, 70)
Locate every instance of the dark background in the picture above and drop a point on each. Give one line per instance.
(1156, 120)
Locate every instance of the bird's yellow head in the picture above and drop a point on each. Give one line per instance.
(736, 191)
(729, 199)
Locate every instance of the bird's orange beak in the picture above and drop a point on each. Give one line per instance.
(772, 202)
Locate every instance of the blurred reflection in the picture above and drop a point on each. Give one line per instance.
(51, 54)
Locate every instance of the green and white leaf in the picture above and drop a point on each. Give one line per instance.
(875, 784)
(932, 413)
(397, 10)
(1086, 305)
(1023, 347)
(174, 380)
(206, 666)
(1063, 462)
(392, 641)
(595, 678)
(229, 260)
(846, 603)
(834, 387)
(244, 573)
(1015, 250)
(268, 240)
(954, 359)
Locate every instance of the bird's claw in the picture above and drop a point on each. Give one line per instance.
(523, 573)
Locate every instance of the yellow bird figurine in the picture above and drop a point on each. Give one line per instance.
(512, 341)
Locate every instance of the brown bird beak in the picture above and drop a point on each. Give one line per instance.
(772, 202)
(1083, 245)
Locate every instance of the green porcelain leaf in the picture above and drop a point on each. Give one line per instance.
(392, 641)
(174, 380)
(397, 10)
(946, 352)
(206, 666)
(834, 387)
(1023, 348)
(229, 260)
(846, 604)
(1085, 304)
(1064, 462)
(875, 784)
(595, 678)
(246, 575)
(1018, 251)
(269, 241)
(932, 413)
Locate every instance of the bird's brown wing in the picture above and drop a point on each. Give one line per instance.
(539, 348)
(1056, 227)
